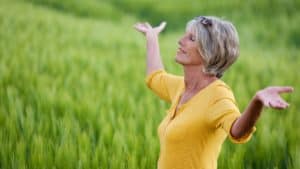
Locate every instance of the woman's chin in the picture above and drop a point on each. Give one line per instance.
(177, 60)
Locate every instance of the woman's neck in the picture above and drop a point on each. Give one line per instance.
(195, 79)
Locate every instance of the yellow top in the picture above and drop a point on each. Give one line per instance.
(191, 138)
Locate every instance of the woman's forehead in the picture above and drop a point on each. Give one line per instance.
(190, 31)
(190, 27)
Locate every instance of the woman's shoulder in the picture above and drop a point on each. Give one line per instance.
(221, 90)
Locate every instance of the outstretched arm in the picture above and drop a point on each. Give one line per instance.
(153, 54)
(268, 97)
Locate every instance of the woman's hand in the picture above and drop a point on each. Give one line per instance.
(147, 29)
(270, 97)
(154, 61)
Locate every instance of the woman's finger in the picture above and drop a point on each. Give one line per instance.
(162, 25)
(276, 105)
(285, 104)
(285, 89)
(282, 104)
(148, 25)
(140, 27)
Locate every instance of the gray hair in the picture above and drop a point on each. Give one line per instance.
(218, 43)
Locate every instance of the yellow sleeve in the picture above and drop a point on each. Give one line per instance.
(224, 112)
(163, 84)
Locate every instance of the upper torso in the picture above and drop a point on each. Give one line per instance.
(191, 137)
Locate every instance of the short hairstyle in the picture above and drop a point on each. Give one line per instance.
(218, 43)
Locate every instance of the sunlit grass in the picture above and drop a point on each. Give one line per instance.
(72, 94)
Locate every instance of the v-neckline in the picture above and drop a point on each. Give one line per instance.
(176, 108)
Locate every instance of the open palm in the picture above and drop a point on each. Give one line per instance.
(146, 28)
(270, 97)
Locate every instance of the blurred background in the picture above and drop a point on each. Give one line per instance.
(72, 91)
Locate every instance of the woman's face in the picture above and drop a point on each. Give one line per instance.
(187, 53)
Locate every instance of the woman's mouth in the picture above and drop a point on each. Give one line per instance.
(181, 50)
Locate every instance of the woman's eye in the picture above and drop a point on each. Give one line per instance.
(192, 38)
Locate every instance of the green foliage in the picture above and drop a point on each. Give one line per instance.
(72, 92)
(176, 12)
(89, 8)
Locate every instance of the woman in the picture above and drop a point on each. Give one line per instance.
(203, 110)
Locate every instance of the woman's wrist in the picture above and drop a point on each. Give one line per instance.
(257, 99)
(151, 35)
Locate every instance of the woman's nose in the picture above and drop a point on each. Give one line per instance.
(180, 42)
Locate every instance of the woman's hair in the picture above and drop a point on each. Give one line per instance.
(218, 43)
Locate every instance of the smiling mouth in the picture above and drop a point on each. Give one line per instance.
(181, 50)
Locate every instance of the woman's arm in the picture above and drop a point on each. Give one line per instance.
(153, 54)
(268, 97)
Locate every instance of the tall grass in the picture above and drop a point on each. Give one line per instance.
(72, 92)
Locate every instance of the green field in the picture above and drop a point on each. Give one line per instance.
(72, 91)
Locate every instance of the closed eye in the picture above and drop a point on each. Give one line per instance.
(192, 38)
